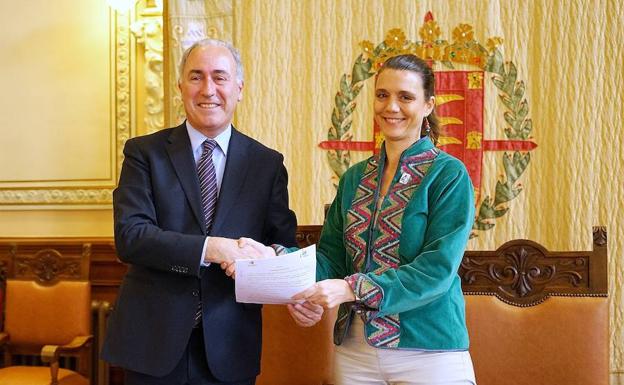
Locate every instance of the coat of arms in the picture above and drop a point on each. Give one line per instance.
(459, 104)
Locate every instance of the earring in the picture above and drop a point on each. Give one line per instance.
(426, 124)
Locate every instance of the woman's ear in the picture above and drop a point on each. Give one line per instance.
(430, 105)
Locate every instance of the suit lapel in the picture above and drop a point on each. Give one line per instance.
(233, 178)
(181, 155)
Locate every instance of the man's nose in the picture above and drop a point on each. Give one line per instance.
(208, 87)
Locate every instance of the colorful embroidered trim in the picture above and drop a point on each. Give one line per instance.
(368, 292)
(279, 249)
(385, 251)
(359, 215)
(387, 331)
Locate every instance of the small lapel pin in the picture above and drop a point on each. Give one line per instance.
(405, 178)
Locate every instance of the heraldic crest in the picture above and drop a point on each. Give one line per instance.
(459, 106)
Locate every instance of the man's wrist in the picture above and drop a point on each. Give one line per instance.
(210, 254)
(204, 258)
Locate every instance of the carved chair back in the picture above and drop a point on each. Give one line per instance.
(47, 302)
(536, 316)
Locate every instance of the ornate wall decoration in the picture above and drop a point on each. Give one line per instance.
(67, 196)
(122, 83)
(462, 131)
(74, 195)
(148, 31)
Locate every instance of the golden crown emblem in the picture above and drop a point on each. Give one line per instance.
(463, 49)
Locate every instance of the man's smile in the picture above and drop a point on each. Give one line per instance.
(208, 105)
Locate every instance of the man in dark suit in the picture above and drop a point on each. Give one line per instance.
(176, 320)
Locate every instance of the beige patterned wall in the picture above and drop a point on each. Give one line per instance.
(567, 53)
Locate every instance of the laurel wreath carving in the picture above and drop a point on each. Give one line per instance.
(463, 50)
(350, 87)
(520, 126)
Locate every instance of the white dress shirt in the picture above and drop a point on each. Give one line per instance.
(218, 155)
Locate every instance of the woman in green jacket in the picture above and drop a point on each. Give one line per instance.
(391, 246)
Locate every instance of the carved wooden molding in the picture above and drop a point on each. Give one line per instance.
(46, 263)
(4, 269)
(600, 235)
(308, 235)
(523, 273)
(520, 272)
(47, 266)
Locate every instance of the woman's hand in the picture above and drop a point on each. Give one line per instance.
(328, 293)
(305, 314)
(229, 268)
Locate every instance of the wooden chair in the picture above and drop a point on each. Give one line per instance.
(47, 313)
(536, 316)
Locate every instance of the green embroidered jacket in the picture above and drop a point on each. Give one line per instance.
(402, 260)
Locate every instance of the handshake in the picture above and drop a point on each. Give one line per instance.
(225, 251)
(308, 311)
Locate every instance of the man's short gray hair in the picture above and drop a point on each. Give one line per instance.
(217, 43)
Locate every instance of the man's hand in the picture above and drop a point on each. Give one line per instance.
(219, 250)
(328, 293)
(305, 314)
(262, 250)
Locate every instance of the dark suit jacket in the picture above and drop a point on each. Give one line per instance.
(160, 233)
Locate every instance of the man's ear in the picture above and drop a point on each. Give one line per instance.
(240, 90)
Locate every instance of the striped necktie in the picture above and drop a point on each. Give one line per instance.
(208, 188)
(207, 182)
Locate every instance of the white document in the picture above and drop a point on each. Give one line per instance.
(275, 280)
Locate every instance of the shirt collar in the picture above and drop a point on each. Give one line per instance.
(197, 138)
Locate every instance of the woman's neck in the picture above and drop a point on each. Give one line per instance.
(395, 149)
(393, 155)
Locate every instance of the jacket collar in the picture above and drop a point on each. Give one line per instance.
(181, 156)
(236, 167)
(420, 146)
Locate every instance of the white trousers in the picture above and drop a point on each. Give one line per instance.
(358, 363)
